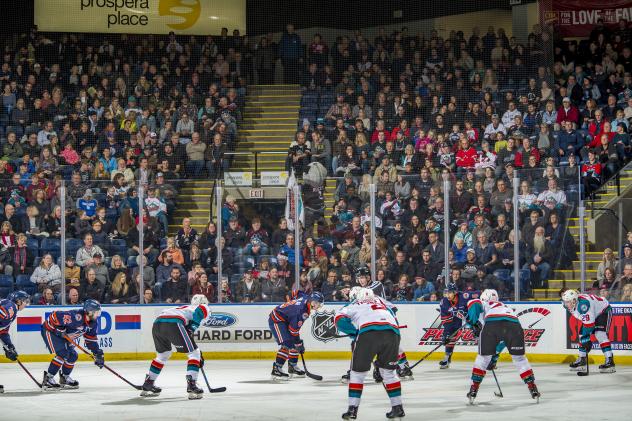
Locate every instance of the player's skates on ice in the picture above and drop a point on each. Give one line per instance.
(49, 383)
(67, 382)
(1, 388)
(608, 366)
(294, 371)
(193, 390)
(535, 394)
(397, 412)
(471, 395)
(149, 389)
(351, 414)
(377, 376)
(445, 362)
(405, 373)
(579, 364)
(277, 374)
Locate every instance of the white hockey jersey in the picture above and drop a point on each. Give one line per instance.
(489, 311)
(188, 315)
(588, 308)
(362, 316)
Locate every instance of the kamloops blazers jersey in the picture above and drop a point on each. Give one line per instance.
(489, 311)
(8, 312)
(362, 316)
(190, 316)
(589, 307)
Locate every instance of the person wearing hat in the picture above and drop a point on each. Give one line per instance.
(494, 127)
(248, 289)
(567, 112)
(422, 289)
(335, 110)
(100, 270)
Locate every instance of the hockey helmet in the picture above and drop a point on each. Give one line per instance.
(451, 287)
(199, 299)
(19, 297)
(316, 297)
(365, 294)
(92, 308)
(570, 298)
(489, 295)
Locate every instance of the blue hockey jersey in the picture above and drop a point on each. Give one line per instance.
(74, 324)
(293, 313)
(8, 313)
(454, 312)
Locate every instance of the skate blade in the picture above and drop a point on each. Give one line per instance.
(51, 389)
(280, 379)
(148, 394)
(444, 367)
(580, 368)
(68, 387)
(298, 376)
(195, 396)
(607, 370)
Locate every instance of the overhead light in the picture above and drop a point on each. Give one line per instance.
(214, 17)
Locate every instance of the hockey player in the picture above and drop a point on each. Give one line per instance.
(453, 308)
(363, 278)
(175, 326)
(594, 313)
(285, 323)
(9, 307)
(353, 294)
(62, 327)
(377, 333)
(493, 322)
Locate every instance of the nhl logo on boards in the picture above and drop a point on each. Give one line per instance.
(323, 326)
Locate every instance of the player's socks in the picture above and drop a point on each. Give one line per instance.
(192, 389)
(67, 382)
(292, 357)
(154, 369)
(49, 383)
(397, 411)
(293, 370)
(282, 356)
(193, 368)
(351, 414)
(55, 365)
(394, 392)
(527, 377)
(606, 349)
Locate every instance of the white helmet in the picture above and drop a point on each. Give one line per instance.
(365, 294)
(198, 299)
(353, 294)
(570, 298)
(489, 295)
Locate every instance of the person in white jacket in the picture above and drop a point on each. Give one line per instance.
(85, 254)
(47, 275)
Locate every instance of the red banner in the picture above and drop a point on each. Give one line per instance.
(620, 334)
(576, 18)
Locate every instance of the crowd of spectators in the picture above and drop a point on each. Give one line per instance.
(104, 115)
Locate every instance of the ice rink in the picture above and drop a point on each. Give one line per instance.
(433, 395)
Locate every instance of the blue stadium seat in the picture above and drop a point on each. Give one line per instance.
(6, 285)
(131, 262)
(72, 245)
(24, 283)
(33, 245)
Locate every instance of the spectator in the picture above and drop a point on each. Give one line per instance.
(402, 291)
(47, 298)
(149, 275)
(122, 291)
(19, 259)
(248, 289)
(174, 289)
(85, 254)
(539, 263)
(73, 297)
(290, 54)
(47, 275)
(422, 289)
(195, 155)
(90, 287)
(202, 286)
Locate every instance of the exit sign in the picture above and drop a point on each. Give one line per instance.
(256, 193)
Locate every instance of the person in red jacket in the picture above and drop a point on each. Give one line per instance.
(403, 127)
(567, 112)
(527, 150)
(591, 173)
(606, 130)
(465, 157)
(596, 126)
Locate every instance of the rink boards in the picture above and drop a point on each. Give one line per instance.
(241, 331)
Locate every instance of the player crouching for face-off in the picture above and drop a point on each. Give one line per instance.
(175, 326)
(9, 307)
(58, 331)
(285, 323)
(595, 314)
(493, 322)
(377, 334)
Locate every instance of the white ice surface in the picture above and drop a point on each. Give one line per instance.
(433, 395)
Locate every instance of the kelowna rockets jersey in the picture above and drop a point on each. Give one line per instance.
(8, 312)
(588, 308)
(293, 313)
(190, 316)
(74, 324)
(454, 312)
(362, 316)
(489, 311)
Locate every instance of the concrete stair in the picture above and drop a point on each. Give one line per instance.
(269, 123)
(194, 202)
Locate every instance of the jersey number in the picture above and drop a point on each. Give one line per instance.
(379, 306)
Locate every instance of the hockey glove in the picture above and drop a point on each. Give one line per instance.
(461, 315)
(299, 347)
(476, 329)
(10, 352)
(99, 359)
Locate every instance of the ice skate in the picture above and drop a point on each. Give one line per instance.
(535, 394)
(294, 371)
(396, 412)
(49, 383)
(608, 366)
(193, 390)
(351, 414)
(579, 364)
(405, 373)
(1, 388)
(377, 376)
(149, 389)
(445, 362)
(277, 374)
(471, 395)
(67, 382)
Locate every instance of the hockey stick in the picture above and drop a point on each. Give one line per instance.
(307, 373)
(500, 392)
(66, 337)
(210, 389)
(436, 347)
(587, 372)
(29, 373)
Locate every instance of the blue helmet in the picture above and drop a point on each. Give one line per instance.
(451, 287)
(91, 305)
(19, 295)
(317, 296)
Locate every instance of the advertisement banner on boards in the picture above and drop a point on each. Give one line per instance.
(577, 18)
(620, 333)
(191, 17)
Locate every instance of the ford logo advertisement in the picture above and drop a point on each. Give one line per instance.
(220, 320)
